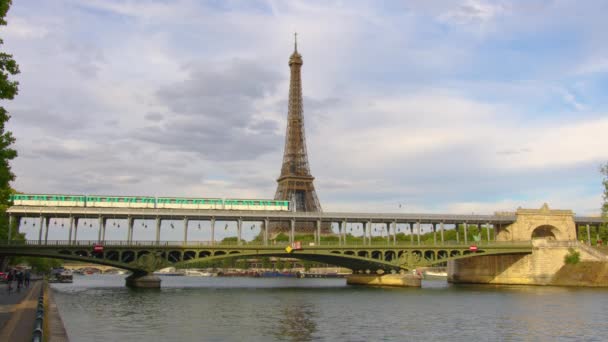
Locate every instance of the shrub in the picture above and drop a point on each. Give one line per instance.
(573, 257)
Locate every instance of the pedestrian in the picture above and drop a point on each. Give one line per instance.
(9, 279)
(27, 278)
(19, 277)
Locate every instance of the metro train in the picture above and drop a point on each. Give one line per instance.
(97, 201)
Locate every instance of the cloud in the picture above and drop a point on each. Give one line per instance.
(441, 106)
(214, 112)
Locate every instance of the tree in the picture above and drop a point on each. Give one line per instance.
(8, 90)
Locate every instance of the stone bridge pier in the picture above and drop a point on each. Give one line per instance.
(553, 234)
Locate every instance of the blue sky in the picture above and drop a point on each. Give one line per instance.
(442, 106)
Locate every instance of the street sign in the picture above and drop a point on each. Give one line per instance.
(98, 248)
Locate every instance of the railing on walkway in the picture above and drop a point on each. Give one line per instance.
(38, 333)
(305, 244)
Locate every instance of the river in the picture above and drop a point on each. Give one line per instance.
(100, 308)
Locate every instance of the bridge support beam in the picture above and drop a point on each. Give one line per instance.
(186, 230)
(10, 227)
(266, 223)
(75, 230)
(46, 231)
(411, 233)
(488, 231)
(441, 230)
(239, 229)
(129, 229)
(465, 233)
(212, 231)
(292, 233)
(588, 235)
(418, 232)
(319, 232)
(71, 230)
(159, 221)
(397, 280)
(143, 280)
(100, 228)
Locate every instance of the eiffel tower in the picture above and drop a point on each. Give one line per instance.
(295, 183)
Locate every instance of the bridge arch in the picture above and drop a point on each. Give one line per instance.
(547, 232)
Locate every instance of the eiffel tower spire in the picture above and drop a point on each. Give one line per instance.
(295, 182)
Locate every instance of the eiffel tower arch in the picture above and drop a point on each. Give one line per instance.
(295, 184)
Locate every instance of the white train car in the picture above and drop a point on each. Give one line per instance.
(189, 203)
(95, 201)
(43, 200)
(254, 204)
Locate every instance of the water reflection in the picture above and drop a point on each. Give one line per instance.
(297, 322)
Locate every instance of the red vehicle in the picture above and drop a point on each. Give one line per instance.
(3, 276)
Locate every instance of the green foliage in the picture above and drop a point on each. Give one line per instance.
(573, 257)
(8, 90)
(279, 265)
(282, 237)
(266, 262)
(41, 265)
(232, 240)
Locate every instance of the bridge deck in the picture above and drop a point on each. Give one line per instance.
(255, 215)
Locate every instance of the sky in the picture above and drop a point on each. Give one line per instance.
(410, 106)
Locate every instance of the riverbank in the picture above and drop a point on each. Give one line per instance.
(18, 312)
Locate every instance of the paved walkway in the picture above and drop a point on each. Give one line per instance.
(18, 312)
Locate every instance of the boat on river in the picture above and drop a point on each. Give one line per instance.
(61, 275)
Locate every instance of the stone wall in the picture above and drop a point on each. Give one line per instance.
(559, 222)
(538, 268)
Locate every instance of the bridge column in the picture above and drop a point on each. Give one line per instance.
(457, 233)
(100, 226)
(75, 230)
(465, 234)
(597, 233)
(418, 231)
(212, 231)
(239, 226)
(411, 232)
(434, 226)
(488, 231)
(46, 231)
(40, 230)
(71, 229)
(319, 232)
(10, 228)
(130, 229)
(104, 223)
(394, 233)
(441, 230)
(266, 222)
(159, 221)
(292, 234)
(343, 232)
(369, 233)
(588, 235)
(185, 230)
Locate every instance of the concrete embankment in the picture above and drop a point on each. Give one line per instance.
(54, 328)
(399, 280)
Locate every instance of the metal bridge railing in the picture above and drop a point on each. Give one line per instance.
(198, 244)
(38, 332)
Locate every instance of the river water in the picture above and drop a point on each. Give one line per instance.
(100, 308)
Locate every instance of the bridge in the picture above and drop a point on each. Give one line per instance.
(512, 235)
